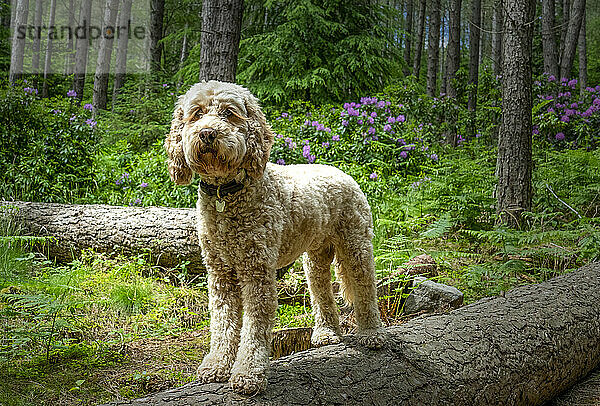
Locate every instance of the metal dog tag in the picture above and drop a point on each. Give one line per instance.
(220, 205)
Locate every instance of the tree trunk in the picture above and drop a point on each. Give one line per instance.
(582, 47)
(548, 39)
(497, 28)
(183, 55)
(566, 8)
(82, 44)
(100, 98)
(420, 36)
(442, 61)
(514, 164)
(37, 39)
(433, 47)
(70, 57)
(570, 44)
(122, 42)
(474, 58)
(49, 50)
(523, 348)
(408, 37)
(221, 27)
(168, 235)
(18, 44)
(156, 33)
(452, 66)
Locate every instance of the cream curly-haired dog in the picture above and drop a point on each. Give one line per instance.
(255, 217)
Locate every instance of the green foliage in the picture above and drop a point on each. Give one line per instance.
(348, 52)
(46, 146)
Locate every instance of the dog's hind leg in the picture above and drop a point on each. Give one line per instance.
(317, 268)
(356, 269)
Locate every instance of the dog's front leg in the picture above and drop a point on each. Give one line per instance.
(225, 305)
(259, 298)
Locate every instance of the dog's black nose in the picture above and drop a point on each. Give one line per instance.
(208, 135)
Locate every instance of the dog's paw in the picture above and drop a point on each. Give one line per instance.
(248, 383)
(324, 336)
(210, 371)
(372, 338)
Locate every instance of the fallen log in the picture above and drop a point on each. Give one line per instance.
(523, 348)
(168, 235)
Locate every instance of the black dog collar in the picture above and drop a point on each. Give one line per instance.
(221, 190)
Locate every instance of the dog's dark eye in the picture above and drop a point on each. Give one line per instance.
(226, 113)
(198, 113)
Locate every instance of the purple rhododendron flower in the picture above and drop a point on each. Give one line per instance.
(371, 120)
(306, 122)
(280, 162)
(325, 144)
(284, 115)
(403, 154)
(559, 137)
(335, 137)
(400, 118)
(88, 106)
(391, 120)
(306, 151)
(143, 184)
(434, 157)
(373, 176)
(565, 119)
(90, 122)
(371, 131)
(311, 159)
(551, 78)
(387, 127)
(71, 93)
(373, 114)
(572, 83)
(30, 90)
(360, 122)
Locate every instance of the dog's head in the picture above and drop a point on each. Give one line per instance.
(217, 130)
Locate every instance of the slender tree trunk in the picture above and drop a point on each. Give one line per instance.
(420, 36)
(452, 66)
(474, 59)
(18, 44)
(442, 61)
(183, 54)
(70, 56)
(582, 47)
(514, 165)
(483, 39)
(566, 9)
(570, 44)
(37, 39)
(548, 39)
(122, 42)
(82, 44)
(156, 34)
(221, 28)
(409, 37)
(497, 27)
(49, 49)
(100, 98)
(433, 47)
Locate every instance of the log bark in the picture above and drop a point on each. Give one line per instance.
(523, 348)
(167, 234)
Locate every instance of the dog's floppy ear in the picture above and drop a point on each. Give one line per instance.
(179, 170)
(259, 139)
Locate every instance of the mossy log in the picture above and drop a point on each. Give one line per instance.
(168, 235)
(523, 348)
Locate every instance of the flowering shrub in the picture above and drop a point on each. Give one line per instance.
(372, 133)
(563, 117)
(47, 146)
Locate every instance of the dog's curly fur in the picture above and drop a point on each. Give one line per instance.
(281, 213)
